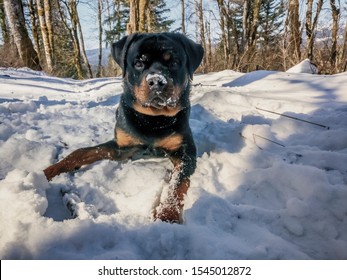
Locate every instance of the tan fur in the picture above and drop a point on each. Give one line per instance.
(124, 139)
(170, 112)
(171, 143)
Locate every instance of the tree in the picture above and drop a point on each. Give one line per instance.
(76, 35)
(34, 25)
(201, 29)
(3, 25)
(311, 26)
(148, 16)
(334, 35)
(142, 12)
(132, 25)
(224, 32)
(43, 11)
(98, 73)
(116, 20)
(161, 22)
(343, 54)
(15, 16)
(183, 14)
(74, 39)
(293, 25)
(270, 32)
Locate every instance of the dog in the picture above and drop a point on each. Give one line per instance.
(153, 114)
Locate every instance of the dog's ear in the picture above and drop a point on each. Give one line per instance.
(119, 50)
(194, 51)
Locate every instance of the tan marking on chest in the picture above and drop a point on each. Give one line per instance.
(124, 139)
(171, 143)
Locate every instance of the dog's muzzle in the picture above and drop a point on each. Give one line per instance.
(161, 93)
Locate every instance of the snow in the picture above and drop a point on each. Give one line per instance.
(305, 66)
(266, 186)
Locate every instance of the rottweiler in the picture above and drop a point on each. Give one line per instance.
(153, 114)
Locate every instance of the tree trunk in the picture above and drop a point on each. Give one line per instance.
(132, 25)
(48, 18)
(15, 17)
(44, 33)
(222, 15)
(143, 7)
(343, 53)
(183, 14)
(3, 25)
(76, 19)
(35, 28)
(294, 29)
(254, 26)
(245, 24)
(334, 34)
(98, 73)
(202, 32)
(74, 38)
(311, 26)
(209, 45)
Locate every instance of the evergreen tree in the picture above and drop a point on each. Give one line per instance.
(158, 20)
(117, 20)
(271, 22)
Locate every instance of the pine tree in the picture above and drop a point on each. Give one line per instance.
(271, 22)
(159, 21)
(270, 34)
(116, 21)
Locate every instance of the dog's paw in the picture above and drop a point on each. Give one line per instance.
(168, 212)
(52, 171)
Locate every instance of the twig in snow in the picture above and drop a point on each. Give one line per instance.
(201, 85)
(272, 141)
(294, 118)
(262, 137)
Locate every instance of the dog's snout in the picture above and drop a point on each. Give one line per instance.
(156, 81)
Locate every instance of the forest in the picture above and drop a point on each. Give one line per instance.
(241, 35)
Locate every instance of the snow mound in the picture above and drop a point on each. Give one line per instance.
(305, 66)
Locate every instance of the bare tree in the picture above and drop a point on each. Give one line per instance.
(3, 25)
(334, 33)
(343, 53)
(15, 16)
(41, 11)
(183, 14)
(246, 24)
(132, 25)
(34, 25)
(77, 33)
(200, 14)
(74, 38)
(98, 73)
(224, 31)
(254, 26)
(311, 26)
(142, 11)
(293, 24)
(48, 18)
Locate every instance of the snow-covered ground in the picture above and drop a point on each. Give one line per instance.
(266, 186)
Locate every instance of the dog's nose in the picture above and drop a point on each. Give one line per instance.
(156, 81)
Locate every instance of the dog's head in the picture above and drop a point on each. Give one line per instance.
(157, 70)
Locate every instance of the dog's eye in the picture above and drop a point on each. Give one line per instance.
(139, 65)
(175, 63)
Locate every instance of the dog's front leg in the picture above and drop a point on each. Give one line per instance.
(84, 156)
(170, 209)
